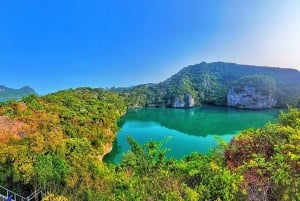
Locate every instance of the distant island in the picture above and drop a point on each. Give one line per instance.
(220, 83)
(7, 93)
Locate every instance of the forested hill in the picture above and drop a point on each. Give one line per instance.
(9, 93)
(210, 83)
(57, 139)
(56, 143)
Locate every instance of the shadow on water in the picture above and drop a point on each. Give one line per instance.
(116, 150)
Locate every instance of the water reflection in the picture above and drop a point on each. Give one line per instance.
(190, 129)
(202, 121)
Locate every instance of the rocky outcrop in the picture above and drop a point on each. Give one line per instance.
(178, 103)
(186, 101)
(106, 150)
(189, 100)
(249, 97)
(108, 146)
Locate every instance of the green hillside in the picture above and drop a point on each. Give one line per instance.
(55, 143)
(209, 83)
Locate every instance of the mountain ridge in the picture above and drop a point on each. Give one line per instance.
(209, 83)
(10, 93)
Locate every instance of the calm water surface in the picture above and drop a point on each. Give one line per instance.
(189, 130)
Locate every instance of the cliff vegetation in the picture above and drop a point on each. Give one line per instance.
(210, 83)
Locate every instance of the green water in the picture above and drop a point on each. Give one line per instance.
(191, 130)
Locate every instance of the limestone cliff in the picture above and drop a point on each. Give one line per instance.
(249, 97)
(186, 101)
(209, 83)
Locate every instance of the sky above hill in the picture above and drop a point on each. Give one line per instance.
(53, 44)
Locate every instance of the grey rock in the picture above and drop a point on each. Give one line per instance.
(186, 101)
(248, 97)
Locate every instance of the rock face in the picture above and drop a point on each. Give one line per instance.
(187, 101)
(249, 97)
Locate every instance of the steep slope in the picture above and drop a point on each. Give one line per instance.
(9, 93)
(44, 138)
(210, 83)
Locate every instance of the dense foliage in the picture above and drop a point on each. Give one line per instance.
(209, 83)
(56, 143)
(269, 159)
(263, 84)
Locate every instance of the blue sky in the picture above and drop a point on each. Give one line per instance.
(52, 45)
